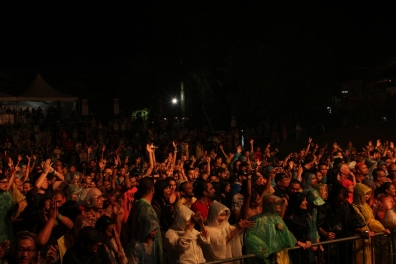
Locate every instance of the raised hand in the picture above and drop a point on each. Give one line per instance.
(245, 224)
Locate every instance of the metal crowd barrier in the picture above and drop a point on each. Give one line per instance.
(383, 249)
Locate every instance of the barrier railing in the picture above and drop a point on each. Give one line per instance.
(383, 250)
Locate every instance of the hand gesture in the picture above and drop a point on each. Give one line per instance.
(245, 224)
(269, 145)
(89, 149)
(330, 236)
(174, 144)
(149, 149)
(116, 235)
(370, 143)
(378, 142)
(47, 166)
(102, 165)
(19, 158)
(309, 140)
(10, 164)
(392, 145)
(103, 148)
(34, 157)
(258, 162)
(53, 213)
(251, 141)
(239, 149)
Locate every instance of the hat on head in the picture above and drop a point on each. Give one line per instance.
(314, 197)
(359, 165)
(89, 234)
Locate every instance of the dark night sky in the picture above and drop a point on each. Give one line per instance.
(100, 44)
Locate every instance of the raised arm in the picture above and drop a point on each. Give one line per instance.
(150, 152)
(246, 198)
(309, 145)
(46, 169)
(222, 151)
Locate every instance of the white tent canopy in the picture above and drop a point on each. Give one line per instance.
(40, 90)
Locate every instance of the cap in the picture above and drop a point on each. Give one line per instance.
(89, 234)
(314, 197)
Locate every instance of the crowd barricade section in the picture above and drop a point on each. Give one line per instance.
(342, 251)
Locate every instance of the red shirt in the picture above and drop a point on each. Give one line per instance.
(198, 206)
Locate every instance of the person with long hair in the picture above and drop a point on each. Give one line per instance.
(296, 219)
(161, 205)
(112, 244)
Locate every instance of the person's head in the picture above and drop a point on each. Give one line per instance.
(162, 190)
(18, 184)
(379, 176)
(24, 248)
(297, 202)
(191, 174)
(392, 171)
(27, 186)
(106, 226)
(3, 182)
(388, 188)
(322, 189)
(172, 184)
(107, 185)
(218, 214)
(361, 194)
(90, 198)
(225, 187)
(338, 194)
(204, 189)
(294, 186)
(309, 159)
(146, 187)
(213, 178)
(133, 180)
(186, 189)
(282, 180)
(59, 197)
(319, 176)
(183, 218)
(314, 199)
(72, 169)
(272, 204)
(222, 173)
(89, 239)
(344, 170)
(362, 169)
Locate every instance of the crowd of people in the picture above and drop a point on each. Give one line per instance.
(94, 194)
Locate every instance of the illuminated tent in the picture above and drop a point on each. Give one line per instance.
(39, 90)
